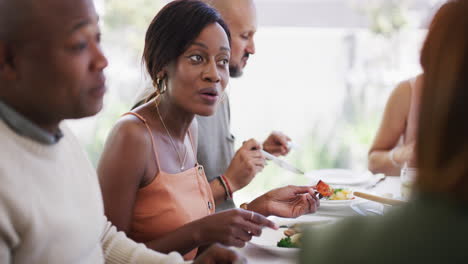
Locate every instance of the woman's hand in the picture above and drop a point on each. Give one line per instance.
(231, 227)
(289, 201)
(219, 254)
(405, 154)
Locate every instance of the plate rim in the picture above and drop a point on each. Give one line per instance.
(286, 251)
(309, 174)
(274, 249)
(364, 201)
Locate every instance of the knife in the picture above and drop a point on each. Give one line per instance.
(283, 164)
(379, 178)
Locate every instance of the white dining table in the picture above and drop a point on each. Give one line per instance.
(256, 255)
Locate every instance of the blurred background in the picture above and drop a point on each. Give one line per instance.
(322, 73)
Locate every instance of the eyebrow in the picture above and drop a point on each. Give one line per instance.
(206, 47)
(82, 23)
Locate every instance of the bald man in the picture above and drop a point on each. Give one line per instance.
(51, 209)
(241, 17)
(228, 172)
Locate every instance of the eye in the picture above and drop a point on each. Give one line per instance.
(245, 36)
(80, 46)
(223, 62)
(196, 58)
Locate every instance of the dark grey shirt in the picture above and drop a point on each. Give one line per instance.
(431, 229)
(216, 146)
(22, 126)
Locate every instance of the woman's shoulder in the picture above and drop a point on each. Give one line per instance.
(131, 129)
(406, 87)
(401, 96)
(403, 88)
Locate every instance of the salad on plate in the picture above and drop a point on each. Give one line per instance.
(333, 194)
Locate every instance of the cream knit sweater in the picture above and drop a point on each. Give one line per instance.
(51, 210)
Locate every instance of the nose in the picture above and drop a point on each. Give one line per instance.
(211, 73)
(99, 61)
(250, 46)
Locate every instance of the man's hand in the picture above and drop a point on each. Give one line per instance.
(219, 254)
(277, 144)
(247, 162)
(289, 201)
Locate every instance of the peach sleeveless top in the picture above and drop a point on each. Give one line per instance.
(170, 201)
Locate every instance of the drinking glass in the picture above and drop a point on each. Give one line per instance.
(407, 177)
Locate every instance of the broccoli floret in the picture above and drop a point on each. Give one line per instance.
(286, 243)
(335, 191)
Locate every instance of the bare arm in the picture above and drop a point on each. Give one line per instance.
(391, 128)
(183, 240)
(231, 228)
(122, 168)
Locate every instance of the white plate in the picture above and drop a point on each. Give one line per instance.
(362, 207)
(337, 203)
(339, 176)
(269, 237)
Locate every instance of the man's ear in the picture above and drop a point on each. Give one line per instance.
(7, 66)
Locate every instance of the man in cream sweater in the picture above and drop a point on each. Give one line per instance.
(51, 210)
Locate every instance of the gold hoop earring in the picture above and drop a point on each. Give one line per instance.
(160, 85)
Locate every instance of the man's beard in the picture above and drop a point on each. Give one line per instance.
(235, 71)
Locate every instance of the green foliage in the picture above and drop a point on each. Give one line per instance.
(120, 14)
(387, 17)
(125, 22)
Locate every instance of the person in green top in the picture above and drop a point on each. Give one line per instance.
(432, 227)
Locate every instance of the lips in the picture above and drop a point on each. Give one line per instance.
(209, 95)
(99, 89)
(209, 91)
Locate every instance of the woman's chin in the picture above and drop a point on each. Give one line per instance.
(206, 112)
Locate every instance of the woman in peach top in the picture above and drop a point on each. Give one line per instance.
(393, 145)
(153, 187)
